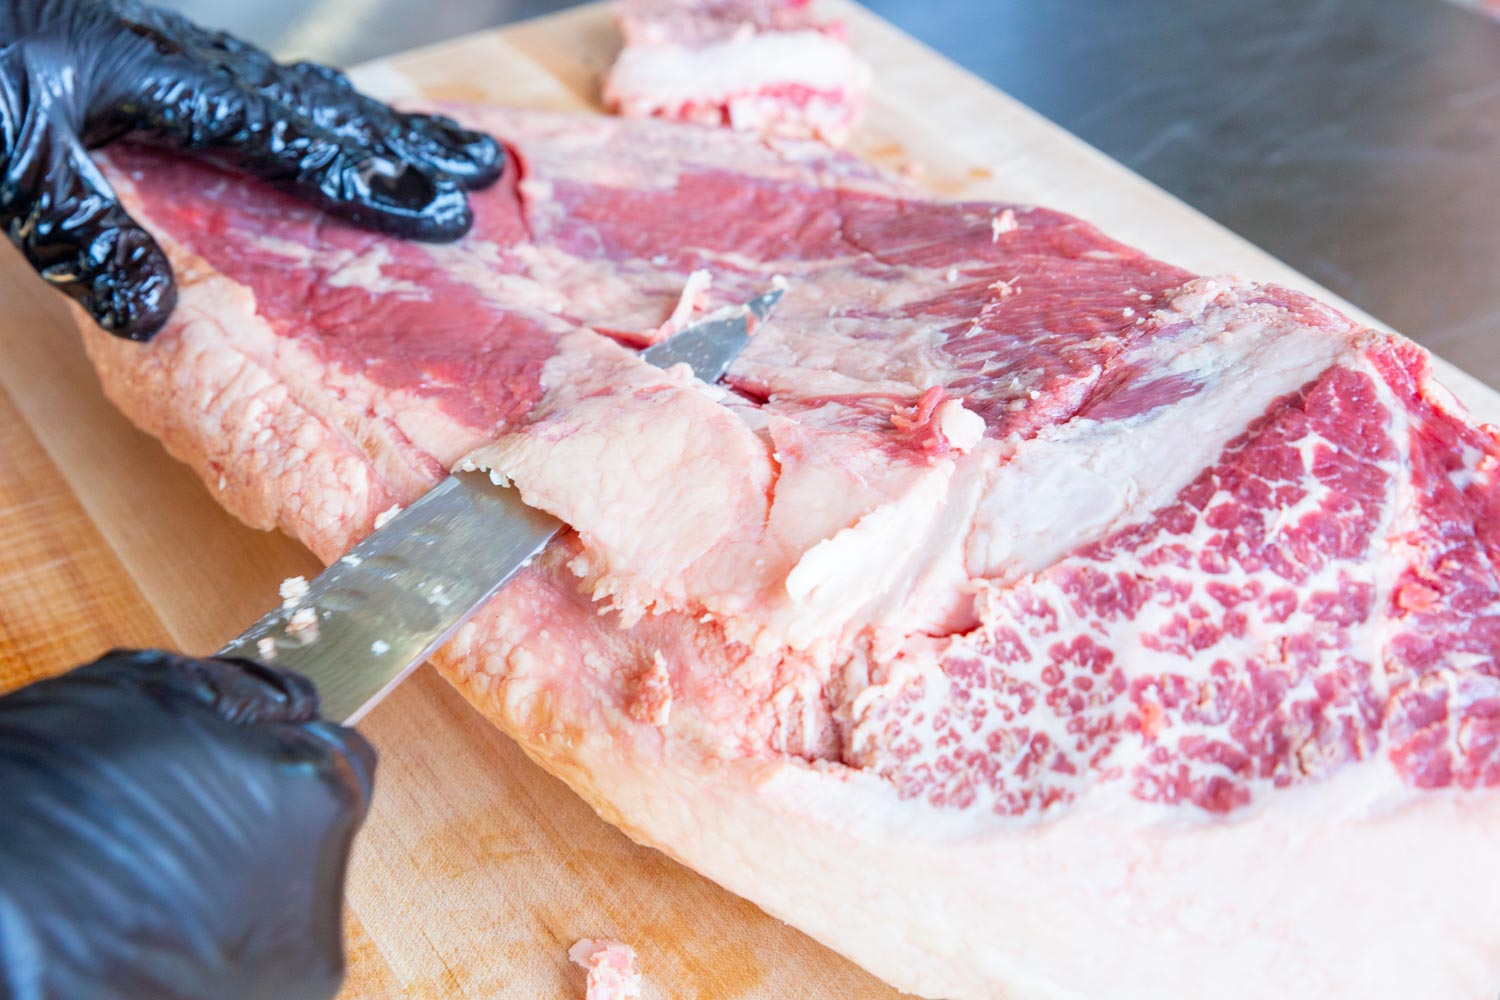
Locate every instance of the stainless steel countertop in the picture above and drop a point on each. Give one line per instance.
(1359, 140)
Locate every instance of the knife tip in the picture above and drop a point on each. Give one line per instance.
(762, 305)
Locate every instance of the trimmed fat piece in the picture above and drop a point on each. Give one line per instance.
(611, 969)
(769, 66)
(1024, 617)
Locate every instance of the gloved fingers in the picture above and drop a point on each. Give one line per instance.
(269, 713)
(263, 702)
(61, 213)
(246, 692)
(475, 159)
(177, 827)
(237, 691)
(342, 759)
(368, 184)
(376, 186)
(253, 694)
(327, 98)
(174, 36)
(257, 697)
(472, 158)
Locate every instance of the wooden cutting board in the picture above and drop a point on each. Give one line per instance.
(476, 870)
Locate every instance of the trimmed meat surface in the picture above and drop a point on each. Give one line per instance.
(770, 66)
(1022, 617)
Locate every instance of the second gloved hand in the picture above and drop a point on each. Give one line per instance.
(77, 74)
(174, 828)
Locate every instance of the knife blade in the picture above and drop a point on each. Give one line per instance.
(367, 621)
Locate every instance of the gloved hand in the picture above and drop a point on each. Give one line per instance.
(174, 828)
(77, 74)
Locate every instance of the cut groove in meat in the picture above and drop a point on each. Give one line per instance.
(1029, 617)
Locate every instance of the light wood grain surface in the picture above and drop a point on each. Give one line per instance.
(476, 870)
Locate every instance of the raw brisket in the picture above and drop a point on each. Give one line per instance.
(770, 66)
(1025, 618)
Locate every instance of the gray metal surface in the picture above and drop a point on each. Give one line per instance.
(377, 613)
(1358, 140)
(371, 618)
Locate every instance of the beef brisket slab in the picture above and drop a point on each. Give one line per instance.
(1024, 616)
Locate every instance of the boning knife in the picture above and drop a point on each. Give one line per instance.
(367, 621)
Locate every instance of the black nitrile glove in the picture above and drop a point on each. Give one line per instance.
(174, 828)
(77, 74)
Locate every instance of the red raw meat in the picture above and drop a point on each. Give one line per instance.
(1026, 617)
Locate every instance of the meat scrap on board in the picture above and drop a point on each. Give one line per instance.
(611, 969)
(1024, 616)
(770, 66)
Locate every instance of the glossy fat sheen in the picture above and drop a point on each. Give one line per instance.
(1029, 616)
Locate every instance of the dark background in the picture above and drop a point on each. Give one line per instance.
(1355, 139)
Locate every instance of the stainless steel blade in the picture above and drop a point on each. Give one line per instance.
(710, 345)
(367, 621)
(378, 612)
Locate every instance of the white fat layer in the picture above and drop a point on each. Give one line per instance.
(838, 575)
(1280, 901)
(962, 427)
(902, 564)
(829, 356)
(654, 75)
(693, 290)
(827, 118)
(293, 589)
(1074, 482)
(1362, 642)
(346, 268)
